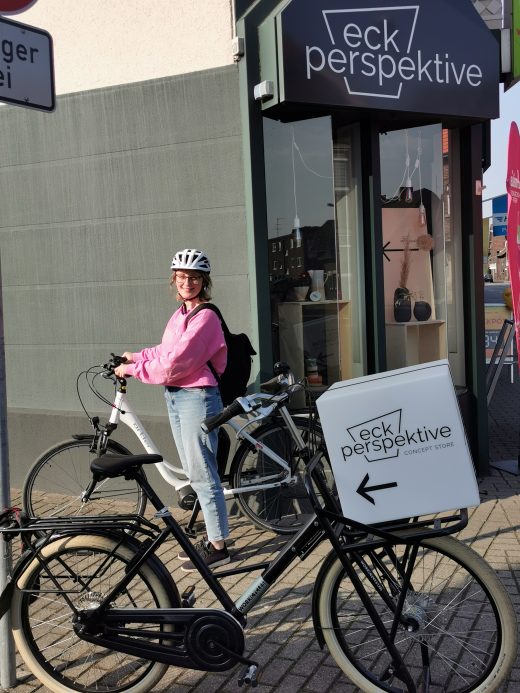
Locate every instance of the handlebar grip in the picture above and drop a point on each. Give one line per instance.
(226, 414)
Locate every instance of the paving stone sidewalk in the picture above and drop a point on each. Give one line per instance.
(281, 636)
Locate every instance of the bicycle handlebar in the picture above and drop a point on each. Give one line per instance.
(111, 365)
(250, 403)
(233, 409)
(113, 362)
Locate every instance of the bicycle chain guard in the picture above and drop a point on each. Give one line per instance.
(189, 638)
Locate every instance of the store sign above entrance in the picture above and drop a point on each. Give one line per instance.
(426, 57)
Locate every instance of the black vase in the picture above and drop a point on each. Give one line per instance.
(422, 310)
(402, 305)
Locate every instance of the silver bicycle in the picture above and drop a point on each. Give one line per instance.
(265, 475)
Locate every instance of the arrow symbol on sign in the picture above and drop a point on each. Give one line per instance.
(363, 489)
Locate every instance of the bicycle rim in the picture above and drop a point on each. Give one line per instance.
(55, 484)
(84, 568)
(457, 633)
(283, 509)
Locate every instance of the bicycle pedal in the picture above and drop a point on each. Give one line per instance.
(188, 597)
(249, 677)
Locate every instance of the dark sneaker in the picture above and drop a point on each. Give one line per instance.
(211, 556)
(199, 547)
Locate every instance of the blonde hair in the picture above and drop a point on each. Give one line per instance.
(205, 291)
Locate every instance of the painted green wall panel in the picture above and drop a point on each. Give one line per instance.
(95, 199)
(187, 108)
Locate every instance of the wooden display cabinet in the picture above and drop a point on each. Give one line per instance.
(317, 329)
(411, 343)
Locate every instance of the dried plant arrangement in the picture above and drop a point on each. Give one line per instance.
(405, 264)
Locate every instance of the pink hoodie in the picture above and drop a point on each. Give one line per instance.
(181, 357)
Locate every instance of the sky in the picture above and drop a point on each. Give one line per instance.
(495, 176)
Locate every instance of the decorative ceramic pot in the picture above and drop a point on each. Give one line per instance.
(402, 305)
(422, 310)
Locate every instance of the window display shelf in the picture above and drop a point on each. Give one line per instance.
(317, 329)
(411, 343)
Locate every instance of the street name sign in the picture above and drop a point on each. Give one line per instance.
(26, 66)
(397, 444)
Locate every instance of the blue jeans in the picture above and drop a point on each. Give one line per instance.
(187, 408)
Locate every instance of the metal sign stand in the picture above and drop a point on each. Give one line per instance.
(496, 363)
(504, 341)
(7, 657)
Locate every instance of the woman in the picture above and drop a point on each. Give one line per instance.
(180, 363)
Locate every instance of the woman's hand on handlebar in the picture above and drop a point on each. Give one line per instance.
(126, 357)
(120, 371)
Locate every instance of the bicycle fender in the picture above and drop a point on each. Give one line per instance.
(316, 621)
(117, 447)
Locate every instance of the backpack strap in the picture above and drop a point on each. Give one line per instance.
(212, 307)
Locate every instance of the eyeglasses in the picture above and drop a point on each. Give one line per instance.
(187, 278)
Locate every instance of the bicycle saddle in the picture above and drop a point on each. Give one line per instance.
(114, 465)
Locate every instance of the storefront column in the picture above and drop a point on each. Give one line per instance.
(254, 185)
(475, 409)
(374, 286)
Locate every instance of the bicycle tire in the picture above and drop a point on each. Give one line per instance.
(54, 485)
(83, 569)
(463, 631)
(283, 510)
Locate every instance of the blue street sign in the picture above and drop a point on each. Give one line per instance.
(499, 212)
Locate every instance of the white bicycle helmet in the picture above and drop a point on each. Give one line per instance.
(191, 259)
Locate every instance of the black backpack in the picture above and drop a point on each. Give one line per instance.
(233, 381)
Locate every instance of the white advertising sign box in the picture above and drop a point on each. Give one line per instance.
(397, 444)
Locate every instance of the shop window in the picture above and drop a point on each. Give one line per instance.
(314, 271)
(414, 257)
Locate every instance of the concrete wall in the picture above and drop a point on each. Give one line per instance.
(95, 199)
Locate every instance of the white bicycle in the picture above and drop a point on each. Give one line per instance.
(265, 475)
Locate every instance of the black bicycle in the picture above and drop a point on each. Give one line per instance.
(401, 606)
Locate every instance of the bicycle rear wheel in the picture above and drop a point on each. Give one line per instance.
(457, 632)
(75, 574)
(55, 483)
(281, 509)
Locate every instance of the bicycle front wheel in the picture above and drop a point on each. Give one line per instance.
(55, 483)
(75, 573)
(457, 631)
(285, 508)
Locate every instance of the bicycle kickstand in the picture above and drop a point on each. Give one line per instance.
(189, 529)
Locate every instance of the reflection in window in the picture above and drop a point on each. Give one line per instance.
(307, 182)
(413, 245)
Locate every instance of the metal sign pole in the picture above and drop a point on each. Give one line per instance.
(31, 85)
(7, 658)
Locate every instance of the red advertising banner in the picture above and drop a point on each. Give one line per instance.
(513, 223)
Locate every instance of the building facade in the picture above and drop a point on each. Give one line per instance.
(344, 225)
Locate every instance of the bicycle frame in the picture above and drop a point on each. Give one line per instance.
(348, 539)
(123, 412)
